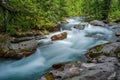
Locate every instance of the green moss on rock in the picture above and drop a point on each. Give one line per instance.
(95, 52)
(1, 51)
(49, 76)
(117, 52)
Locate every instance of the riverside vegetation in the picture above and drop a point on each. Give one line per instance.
(24, 22)
(20, 15)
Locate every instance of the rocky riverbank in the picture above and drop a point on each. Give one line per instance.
(103, 62)
(22, 44)
(18, 46)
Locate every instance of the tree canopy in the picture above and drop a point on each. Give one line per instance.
(43, 14)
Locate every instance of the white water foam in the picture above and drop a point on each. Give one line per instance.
(51, 52)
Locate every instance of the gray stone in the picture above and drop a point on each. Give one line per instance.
(24, 45)
(86, 71)
(103, 59)
(80, 26)
(117, 34)
(110, 49)
(97, 23)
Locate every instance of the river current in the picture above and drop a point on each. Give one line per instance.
(50, 52)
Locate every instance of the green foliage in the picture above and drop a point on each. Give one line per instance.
(44, 14)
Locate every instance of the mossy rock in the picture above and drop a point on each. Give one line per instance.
(4, 38)
(1, 51)
(17, 40)
(94, 55)
(117, 52)
(22, 34)
(49, 76)
(97, 48)
(44, 32)
(95, 52)
(60, 36)
(64, 21)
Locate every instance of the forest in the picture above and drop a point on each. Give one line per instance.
(22, 15)
(59, 39)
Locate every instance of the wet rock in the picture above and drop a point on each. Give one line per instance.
(54, 37)
(59, 66)
(86, 71)
(118, 73)
(1, 51)
(108, 49)
(17, 54)
(112, 49)
(103, 67)
(26, 54)
(16, 50)
(117, 34)
(59, 36)
(49, 76)
(97, 23)
(64, 21)
(103, 59)
(17, 40)
(95, 52)
(30, 44)
(79, 26)
(11, 54)
(70, 69)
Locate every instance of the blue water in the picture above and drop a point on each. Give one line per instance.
(72, 48)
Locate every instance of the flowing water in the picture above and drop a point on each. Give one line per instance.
(50, 52)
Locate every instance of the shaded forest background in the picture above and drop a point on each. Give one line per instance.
(22, 15)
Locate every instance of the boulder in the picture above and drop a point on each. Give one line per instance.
(79, 26)
(94, 52)
(112, 49)
(117, 34)
(59, 66)
(105, 67)
(22, 39)
(84, 71)
(64, 21)
(54, 37)
(17, 48)
(118, 72)
(60, 36)
(97, 23)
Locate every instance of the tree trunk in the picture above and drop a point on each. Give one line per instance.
(2, 2)
(5, 21)
(106, 9)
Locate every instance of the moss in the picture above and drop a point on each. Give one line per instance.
(99, 47)
(49, 76)
(117, 52)
(22, 34)
(1, 51)
(95, 52)
(3, 38)
(44, 32)
(94, 55)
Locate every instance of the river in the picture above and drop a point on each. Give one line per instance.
(50, 52)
